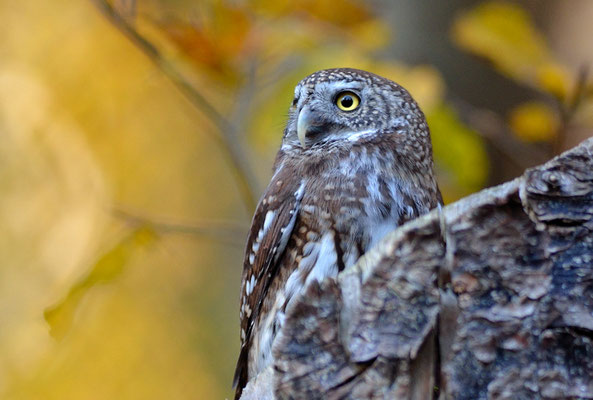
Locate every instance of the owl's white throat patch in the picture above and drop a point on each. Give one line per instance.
(356, 136)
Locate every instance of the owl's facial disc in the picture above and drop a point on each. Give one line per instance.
(327, 112)
(314, 125)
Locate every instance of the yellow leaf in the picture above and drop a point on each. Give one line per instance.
(534, 122)
(503, 33)
(554, 79)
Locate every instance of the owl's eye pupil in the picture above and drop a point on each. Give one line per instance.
(347, 101)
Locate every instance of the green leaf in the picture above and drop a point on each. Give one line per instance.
(459, 153)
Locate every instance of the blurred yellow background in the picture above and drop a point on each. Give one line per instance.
(129, 168)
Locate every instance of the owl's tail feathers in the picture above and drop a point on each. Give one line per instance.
(240, 378)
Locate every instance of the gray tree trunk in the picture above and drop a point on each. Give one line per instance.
(490, 298)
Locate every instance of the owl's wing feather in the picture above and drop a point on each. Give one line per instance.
(271, 229)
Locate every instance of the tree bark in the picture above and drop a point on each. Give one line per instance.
(489, 298)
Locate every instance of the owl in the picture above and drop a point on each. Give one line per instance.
(354, 164)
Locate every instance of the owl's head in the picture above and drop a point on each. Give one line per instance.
(345, 104)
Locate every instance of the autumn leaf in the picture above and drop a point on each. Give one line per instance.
(214, 42)
(342, 13)
(504, 33)
(534, 121)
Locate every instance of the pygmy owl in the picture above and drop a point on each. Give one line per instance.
(354, 164)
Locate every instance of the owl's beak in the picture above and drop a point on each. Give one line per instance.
(303, 123)
(309, 124)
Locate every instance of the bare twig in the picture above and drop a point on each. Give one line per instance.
(492, 128)
(578, 96)
(569, 108)
(125, 8)
(227, 131)
(245, 95)
(224, 231)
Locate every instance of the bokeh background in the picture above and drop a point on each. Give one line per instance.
(136, 136)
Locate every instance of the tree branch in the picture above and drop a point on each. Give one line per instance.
(223, 231)
(226, 138)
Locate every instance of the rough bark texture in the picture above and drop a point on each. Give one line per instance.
(490, 298)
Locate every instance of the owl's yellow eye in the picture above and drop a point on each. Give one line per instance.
(347, 101)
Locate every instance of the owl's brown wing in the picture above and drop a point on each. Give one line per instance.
(271, 229)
